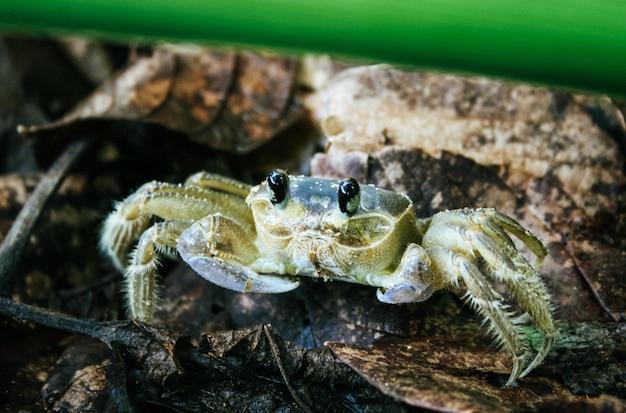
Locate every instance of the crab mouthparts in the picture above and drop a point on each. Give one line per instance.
(314, 256)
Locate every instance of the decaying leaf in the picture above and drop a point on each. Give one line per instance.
(225, 100)
(251, 369)
(522, 128)
(79, 381)
(444, 367)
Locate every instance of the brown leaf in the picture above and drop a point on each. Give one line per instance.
(602, 404)
(445, 366)
(260, 103)
(131, 94)
(154, 348)
(602, 267)
(526, 129)
(397, 371)
(225, 100)
(79, 379)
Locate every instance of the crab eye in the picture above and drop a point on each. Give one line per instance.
(349, 196)
(278, 187)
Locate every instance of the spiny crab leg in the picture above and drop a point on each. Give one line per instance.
(523, 280)
(457, 240)
(221, 183)
(168, 201)
(141, 275)
(179, 206)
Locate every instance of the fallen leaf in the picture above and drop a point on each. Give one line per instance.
(445, 366)
(525, 129)
(225, 100)
(79, 380)
(602, 267)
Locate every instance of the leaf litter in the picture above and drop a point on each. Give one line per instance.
(476, 142)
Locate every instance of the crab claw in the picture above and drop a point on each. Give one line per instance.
(210, 246)
(236, 277)
(412, 282)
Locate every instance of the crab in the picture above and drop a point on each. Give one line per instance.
(265, 238)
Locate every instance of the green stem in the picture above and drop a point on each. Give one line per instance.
(578, 43)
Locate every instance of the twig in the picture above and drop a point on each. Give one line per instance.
(13, 245)
(27, 313)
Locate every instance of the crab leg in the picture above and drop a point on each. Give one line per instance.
(170, 202)
(457, 239)
(220, 183)
(520, 277)
(487, 302)
(500, 221)
(141, 274)
(179, 206)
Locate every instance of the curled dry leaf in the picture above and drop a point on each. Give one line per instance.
(154, 348)
(452, 142)
(444, 367)
(225, 100)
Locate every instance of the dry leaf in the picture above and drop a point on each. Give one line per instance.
(79, 380)
(446, 366)
(525, 129)
(225, 100)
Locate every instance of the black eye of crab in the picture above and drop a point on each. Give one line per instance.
(278, 187)
(349, 196)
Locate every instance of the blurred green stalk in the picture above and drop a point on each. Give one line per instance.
(579, 44)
